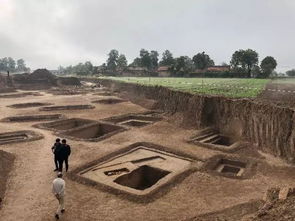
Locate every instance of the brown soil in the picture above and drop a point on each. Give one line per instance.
(28, 194)
(66, 107)
(19, 136)
(69, 81)
(16, 95)
(109, 101)
(280, 210)
(280, 94)
(39, 117)
(267, 126)
(28, 105)
(6, 163)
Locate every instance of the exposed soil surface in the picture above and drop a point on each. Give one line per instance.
(6, 163)
(28, 105)
(28, 194)
(280, 94)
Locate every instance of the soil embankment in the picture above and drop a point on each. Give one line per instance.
(6, 162)
(267, 126)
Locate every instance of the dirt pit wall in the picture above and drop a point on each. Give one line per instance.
(269, 127)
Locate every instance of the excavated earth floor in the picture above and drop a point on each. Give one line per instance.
(201, 195)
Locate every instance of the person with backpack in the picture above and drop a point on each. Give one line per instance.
(55, 149)
(63, 155)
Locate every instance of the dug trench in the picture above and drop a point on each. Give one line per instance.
(267, 126)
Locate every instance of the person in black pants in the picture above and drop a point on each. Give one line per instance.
(55, 149)
(63, 156)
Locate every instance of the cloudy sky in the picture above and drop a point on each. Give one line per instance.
(49, 33)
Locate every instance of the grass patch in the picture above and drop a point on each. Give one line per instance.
(229, 87)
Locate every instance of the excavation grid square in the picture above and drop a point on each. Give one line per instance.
(232, 167)
(63, 125)
(138, 171)
(93, 132)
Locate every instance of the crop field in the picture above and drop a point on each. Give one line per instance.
(229, 87)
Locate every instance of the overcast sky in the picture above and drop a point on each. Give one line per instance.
(49, 33)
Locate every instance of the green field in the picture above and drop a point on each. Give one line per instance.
(229, 87)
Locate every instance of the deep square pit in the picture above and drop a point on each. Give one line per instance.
(142, 177)
(139, 171)
(93, 132)
(232, 167)
(133, 120)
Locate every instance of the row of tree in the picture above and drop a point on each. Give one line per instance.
(243, 62)
(79, 69)
(9, 64)
(150, 61)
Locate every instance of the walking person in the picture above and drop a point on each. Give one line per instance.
(65, 152)
(58, 189)
(55, 149)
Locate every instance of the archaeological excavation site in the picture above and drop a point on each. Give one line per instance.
(143, 152)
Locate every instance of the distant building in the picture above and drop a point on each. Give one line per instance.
(218, 68)
(164, 71)
(135, 71)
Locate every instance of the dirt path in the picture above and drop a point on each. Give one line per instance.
(30, 185)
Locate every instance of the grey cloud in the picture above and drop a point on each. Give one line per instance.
(51, 32)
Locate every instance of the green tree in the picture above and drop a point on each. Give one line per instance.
(136, 62)
(154, 59)
(291, 73)
(11, 64)
(20, 65)
(4, 64)
(183, 65)
(268, 65)
(145, 59)
(112, 60)
(122, 62)
(88, 68)
(244, 59)
(167, 58)
(202, 61)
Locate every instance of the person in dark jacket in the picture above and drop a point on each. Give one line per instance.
(55, 149)
(63, 155)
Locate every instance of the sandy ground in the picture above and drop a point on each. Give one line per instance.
(28, 195)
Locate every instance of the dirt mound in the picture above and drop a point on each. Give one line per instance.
(68, 81)
(6, 163)
(39, 79)
(234, 213)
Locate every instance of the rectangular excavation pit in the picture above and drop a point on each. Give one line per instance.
(19, 136)
(17, 95)
(212, 139)
(28, 105)
(63, 125)
(67, 107)
(93, 132)
(109, 101)
(28, 118)
(133, 120)
(142, 178)
(230, 167)
(138, 171)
